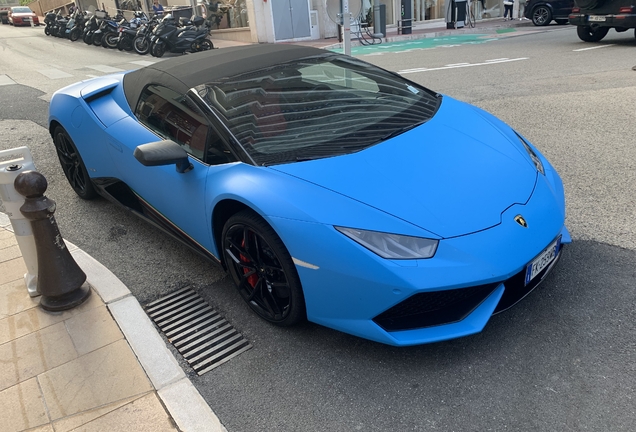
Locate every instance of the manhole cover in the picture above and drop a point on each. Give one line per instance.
(202, 336)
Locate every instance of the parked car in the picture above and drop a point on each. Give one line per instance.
(594, 18)
(330, 189)
(542, 12)
(22, 15)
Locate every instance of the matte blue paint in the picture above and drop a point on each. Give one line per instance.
(462, 186)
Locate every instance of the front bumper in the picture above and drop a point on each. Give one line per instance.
(604, 20)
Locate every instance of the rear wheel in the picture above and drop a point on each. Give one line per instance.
(141, 45)
(206, 45)
(591, 34)
(262, 269)
(541, 16)
(72, 164)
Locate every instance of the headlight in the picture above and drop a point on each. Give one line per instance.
(533, 156)
(392, 246)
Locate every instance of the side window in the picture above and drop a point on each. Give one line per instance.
(173, 116)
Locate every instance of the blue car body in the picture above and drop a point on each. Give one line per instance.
(464, 188)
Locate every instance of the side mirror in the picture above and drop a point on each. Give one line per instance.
(163, 153)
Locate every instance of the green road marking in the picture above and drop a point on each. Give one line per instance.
(506, 30)
(421, 44)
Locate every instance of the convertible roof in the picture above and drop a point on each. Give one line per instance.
(185, 72)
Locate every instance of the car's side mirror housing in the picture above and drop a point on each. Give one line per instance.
(163, 153)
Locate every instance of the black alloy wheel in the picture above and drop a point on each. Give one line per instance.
(72, 164)
(591, 33)
(541, 16)
(262, 269)
(158, 49)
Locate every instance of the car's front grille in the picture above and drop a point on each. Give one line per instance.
(434, 308)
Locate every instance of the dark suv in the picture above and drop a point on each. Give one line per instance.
(594, 18)
(542, 12)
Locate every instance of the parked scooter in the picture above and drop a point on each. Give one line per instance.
(91, 26)
(75, 26)
(167, 36)
(49, 22)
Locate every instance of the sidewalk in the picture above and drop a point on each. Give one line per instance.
(101, 366)
(427, 29)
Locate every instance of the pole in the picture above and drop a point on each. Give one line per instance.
(346, 28)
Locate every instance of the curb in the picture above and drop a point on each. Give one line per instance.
(182, 400)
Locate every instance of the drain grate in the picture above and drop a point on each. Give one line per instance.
(202, 336)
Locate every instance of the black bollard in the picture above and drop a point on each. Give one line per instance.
(60, 279)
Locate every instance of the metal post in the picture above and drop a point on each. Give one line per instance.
(16, 161)
(376, 20)
(60, 279)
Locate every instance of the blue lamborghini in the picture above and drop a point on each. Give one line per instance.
(329, 189)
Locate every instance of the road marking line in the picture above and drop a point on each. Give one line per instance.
(54, 73)
(105, 69)
(594, 47)
(457, 64)
(5, 80)
(143, 62)
(496, 60)
(408, 71)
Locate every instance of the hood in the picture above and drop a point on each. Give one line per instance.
(452, 176)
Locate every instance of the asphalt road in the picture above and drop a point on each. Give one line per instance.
(563, 359)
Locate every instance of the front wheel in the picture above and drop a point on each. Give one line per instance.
(97, 38)
(541, 16)
(110, 40)
(141, 45)
(75, 34)
(47, 30)
(88, 38)
(206, 45)
(72, 164)
(158, 49)
(591, 34)
(262, 269)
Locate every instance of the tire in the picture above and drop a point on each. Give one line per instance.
(141, 45)
(262, 269)
(561, 21)
(72, 164)
(206, 45)
(158, 49)
(47, 30)
(124, 44)
(591, 34)
(75, 34)
(88, 38)
(97, 38)
(110, 40)
(541, 16)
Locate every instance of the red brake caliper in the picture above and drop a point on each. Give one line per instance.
(250, 279)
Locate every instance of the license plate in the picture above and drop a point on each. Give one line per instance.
(596, 18)
(543, 260)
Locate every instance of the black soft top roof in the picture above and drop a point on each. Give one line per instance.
(185, 72)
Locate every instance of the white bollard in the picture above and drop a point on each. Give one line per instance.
(13, 162)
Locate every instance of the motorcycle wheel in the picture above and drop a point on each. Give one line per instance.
(110, 40)
(75, 34)
(158, 50)
(124, 44)
(206, 45)
(141, 45)
(47, 31)
(97, 38)
(88, 38)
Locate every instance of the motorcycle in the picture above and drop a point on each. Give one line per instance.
(90, 27)
(49, 22)
(107, 33)
(141, 42)
(167, 36)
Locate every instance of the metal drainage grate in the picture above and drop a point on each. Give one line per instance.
(202, 336)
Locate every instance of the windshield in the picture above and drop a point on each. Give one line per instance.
(21, 10)
(317, 107)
